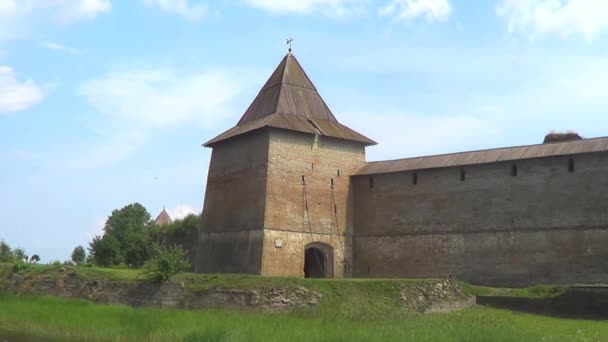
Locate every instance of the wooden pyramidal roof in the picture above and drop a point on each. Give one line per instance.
(289, 100)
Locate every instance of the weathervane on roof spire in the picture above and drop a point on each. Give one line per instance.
(289, 40)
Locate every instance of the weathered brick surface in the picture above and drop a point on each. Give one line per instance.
(288, 259)
(255, 195)
(230, 238)
(328, 219)
(545, 225)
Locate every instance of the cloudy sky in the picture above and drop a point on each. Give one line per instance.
(106, 102)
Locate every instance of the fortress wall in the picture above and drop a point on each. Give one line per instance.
(546, 225)
(230, 238)
(234, 199)
(230, 252)
(293, 155)
(284, 252)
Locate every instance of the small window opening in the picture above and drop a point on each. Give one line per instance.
(303, 180)
(570, 165)
(338, 173)
(332, 183)
(415, 178)
(335, 209)
(463, 175)
(514, 170)
(371, 182)
(312, 166)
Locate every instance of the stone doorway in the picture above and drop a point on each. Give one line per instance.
(318, 260)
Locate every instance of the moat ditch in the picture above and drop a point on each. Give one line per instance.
(576, 302)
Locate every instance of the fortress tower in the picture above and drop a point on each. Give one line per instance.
(278, 198)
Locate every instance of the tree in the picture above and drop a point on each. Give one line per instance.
(19, 254)
(105, 251)
(79, 255)
(127, 238)
(34, 259)
(6, 253)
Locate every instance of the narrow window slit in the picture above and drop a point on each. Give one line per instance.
(463, 175)
(303, 180)
(514, 170)
(335, 209)
(571, 165)
(371, 182)
(332, 183)
(338, 173)
(415, 178)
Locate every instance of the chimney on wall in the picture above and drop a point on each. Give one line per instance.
(555, 137)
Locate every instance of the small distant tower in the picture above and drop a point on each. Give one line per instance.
(163, 218)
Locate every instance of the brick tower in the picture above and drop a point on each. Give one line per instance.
(278, 199)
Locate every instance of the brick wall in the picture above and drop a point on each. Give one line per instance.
(292, 155)
(546, 225)
(230, 238)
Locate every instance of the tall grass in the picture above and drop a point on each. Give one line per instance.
(66, 320)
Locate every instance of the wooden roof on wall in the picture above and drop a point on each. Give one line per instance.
(485, 156)
(289, 100)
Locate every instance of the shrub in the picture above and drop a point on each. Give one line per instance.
(19, 266)
(56, 263)
(166, 262)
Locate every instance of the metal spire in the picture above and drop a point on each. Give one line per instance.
(289, 40)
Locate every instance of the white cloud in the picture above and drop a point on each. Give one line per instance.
(430, 10)
(105, 150)
(74, 10)
(180, 7)
(159, 96)
(180, 211)
(336, 8)
(17, 16)
(62, 48)
(17, 95)
(560, 17)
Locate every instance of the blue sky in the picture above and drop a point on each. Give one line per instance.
(106, 102)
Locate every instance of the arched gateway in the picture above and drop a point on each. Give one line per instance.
(318, 260)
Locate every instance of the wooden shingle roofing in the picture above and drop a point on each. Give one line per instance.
(485, 156)
(289, 100)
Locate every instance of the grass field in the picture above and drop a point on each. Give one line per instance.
(53, 319)
(351, 310)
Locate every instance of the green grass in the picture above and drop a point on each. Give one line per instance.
(63, 320)
(205, 281)
(351, 310)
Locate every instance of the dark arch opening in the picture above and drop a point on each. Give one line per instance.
(317, 261)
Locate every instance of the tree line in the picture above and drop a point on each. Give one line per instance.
(130, 238)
